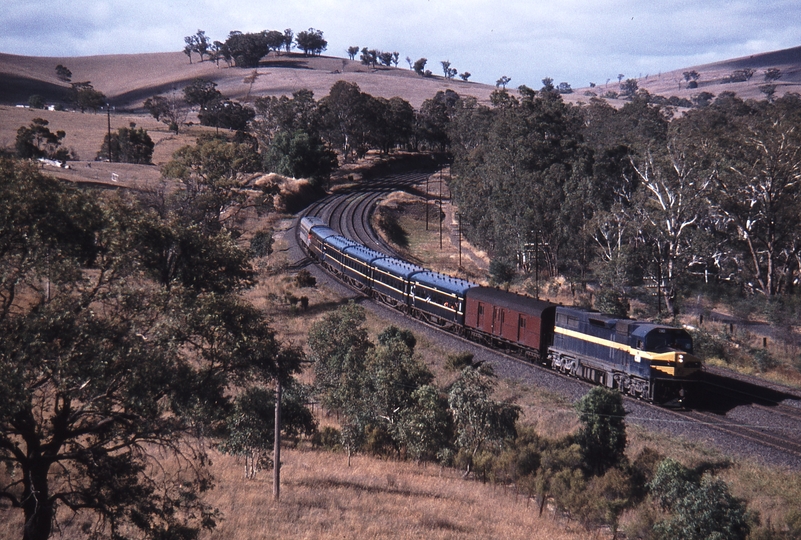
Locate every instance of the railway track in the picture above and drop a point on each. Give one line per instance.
(349, 212)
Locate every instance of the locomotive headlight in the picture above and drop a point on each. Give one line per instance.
(681, 358)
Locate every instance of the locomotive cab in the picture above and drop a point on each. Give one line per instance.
(667, 350)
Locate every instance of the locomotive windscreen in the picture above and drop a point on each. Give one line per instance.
(665, 339)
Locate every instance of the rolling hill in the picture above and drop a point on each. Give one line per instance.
(127, 80)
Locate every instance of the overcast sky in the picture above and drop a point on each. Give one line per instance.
(575, 41)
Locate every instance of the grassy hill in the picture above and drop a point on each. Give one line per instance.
(127, 80)
(713, 78)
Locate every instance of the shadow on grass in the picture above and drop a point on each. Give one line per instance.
(392, 228)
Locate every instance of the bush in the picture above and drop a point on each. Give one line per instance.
(261, 245)
(501, 271)
(329, 438)
(609, 301)
(459, 361)
(763, 360)
(36, 102)
(304, 279)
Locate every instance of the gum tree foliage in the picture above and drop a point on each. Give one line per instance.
(602, 436)
(36, 101)
(197, 43)
(311, 42)
(63, 73)
(393, 124)
(480, 421)
(632, 195)
(169, 109)
(247, 50)
(447, 70)
(250, 426)
(37, 141)
(700, 507)
(83, 96)
(338, 346)
(433, 119)
(300, 155)
(111, 365)
(202, 92)
(289, 36)
(353, 51)
(348, 119)
(275, 40)
(425, 427)
(210, 171)
(369, 57)
(128, 145)
(301, 112)
(394, 372)
(419, 66)
(226, 114)
(289, 131)
(519, 169)
(758, 187)
(374, 388)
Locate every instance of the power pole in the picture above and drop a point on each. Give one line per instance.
(277, 444)
(108, 117)
(426, 202)
(440, 210)
(459, 218)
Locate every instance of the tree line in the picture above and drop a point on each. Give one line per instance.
(247, 49)
(635, 195)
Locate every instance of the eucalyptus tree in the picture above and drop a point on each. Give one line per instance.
(348, 119)
(115, 372)
(759, 189)
(514, 172)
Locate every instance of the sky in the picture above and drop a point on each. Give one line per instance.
(573, 41)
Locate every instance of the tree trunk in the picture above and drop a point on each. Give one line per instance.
(37, 506)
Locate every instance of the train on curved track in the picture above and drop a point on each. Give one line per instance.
(649, 361)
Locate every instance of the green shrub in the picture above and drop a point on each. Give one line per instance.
(304, 279)
(261, 245)
(328, 437)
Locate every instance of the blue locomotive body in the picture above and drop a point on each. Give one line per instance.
(651, 361)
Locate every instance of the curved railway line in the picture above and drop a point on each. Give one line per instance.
(751, 420)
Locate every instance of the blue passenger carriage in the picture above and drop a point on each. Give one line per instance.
(358, 265)
(392, 280)
(439, 298)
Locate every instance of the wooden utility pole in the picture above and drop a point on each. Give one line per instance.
(440, 210)
(426, 202)
(459, 218)
(277, 444)
(108, 117)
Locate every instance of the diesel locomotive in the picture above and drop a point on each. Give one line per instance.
(645, 360)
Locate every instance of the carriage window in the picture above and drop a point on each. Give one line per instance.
(521, 322)
(481, 309)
